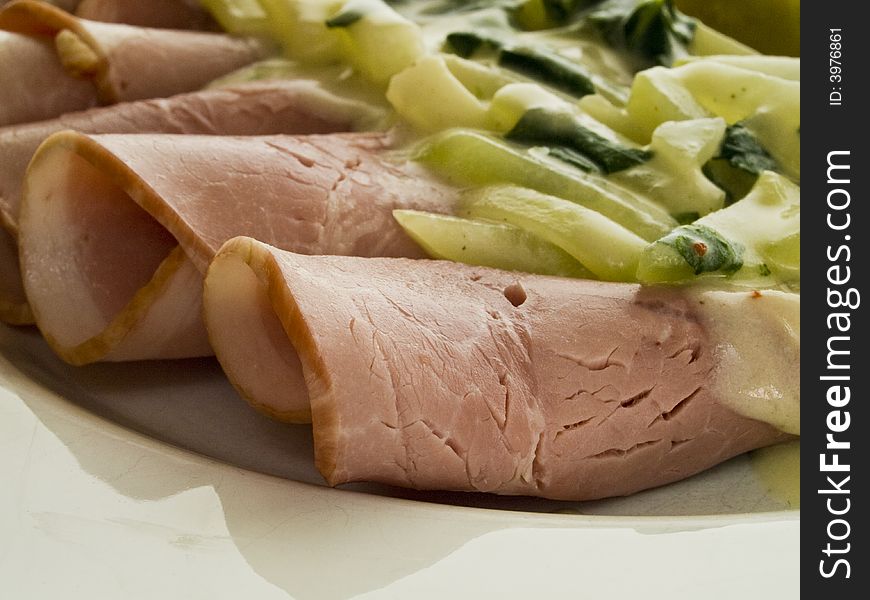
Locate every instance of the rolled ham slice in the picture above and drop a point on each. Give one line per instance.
(436, 375)
(53, 63)
(257, 108)
(170, 14)
(67, 5)
(116, 230)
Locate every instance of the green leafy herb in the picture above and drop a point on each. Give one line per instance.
(557, 129)
(743, 150)
(548, 67)
(345, 18)
(653, 31)
(573, 158)
(537, 63)
(740, 161)
(704, 249)
(466, 43)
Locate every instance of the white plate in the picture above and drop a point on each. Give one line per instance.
(153, 480)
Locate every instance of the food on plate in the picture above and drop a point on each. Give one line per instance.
(52, 62)
(436, 375)
(248, 108)
(170, 14)
(116, 230)
(621, 181)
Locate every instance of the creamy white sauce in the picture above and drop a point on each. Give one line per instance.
(756, 345)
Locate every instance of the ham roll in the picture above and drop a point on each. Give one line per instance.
(169, 14)
(116, 231)
(53, 63)
(257, 108)
(67, 5)
(437, 375)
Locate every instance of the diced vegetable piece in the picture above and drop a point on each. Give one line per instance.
(767, 106)
(488, 244)
(377, 40)
(430, 97)
(511, 102)
(754, 239)
(783, 257)
(673, 177)
(784, 67)
(606, 248)
(657, 97)
(300, 26)
(702, 250)
(243, 17)
(470, 158)
(710, 42)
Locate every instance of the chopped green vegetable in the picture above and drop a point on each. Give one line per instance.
(606, 248)
(755, 240)
(555, 129)
(548, 67)
(673, 177)
(735, 182)
(740, 160)
(471, 158)
(300, 27)
(376, 40)
(743, 150)
(653, 31)
(345, 18)
(572, 157)
(488, 244)
(538, 62)
(466, 43)
(704, 250)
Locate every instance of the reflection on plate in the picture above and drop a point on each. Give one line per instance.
(92, 500)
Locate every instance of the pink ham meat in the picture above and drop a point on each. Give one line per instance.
(257, 108)
(67, 5)
(436, 375)
(170, 14)
(116, 230)
(52, 62)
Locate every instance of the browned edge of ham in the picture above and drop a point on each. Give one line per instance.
(123, 62)
(116, 231)
(436, 375)
(255, 108)
(168, 14)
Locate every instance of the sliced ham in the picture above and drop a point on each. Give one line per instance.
(116, 230)
(435, 375)
(52, 62)
(257, 108)
(170, 14)
(67, 5)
